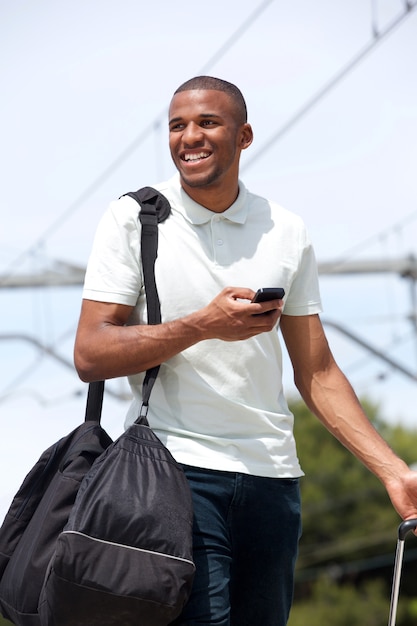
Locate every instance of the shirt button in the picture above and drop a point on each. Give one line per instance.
(220, 242)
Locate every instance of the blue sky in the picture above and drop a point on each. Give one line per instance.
(84, 81)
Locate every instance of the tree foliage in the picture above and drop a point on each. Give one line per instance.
(344, 569)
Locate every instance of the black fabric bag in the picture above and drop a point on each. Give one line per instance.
(40, 510)
(125, 556)
(31, 535)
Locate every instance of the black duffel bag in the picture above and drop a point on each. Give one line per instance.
(125, 556)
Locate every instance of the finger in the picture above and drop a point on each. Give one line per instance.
(263, 308)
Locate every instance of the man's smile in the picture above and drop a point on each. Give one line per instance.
(195, 156)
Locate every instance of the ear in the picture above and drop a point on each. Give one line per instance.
(246, 136)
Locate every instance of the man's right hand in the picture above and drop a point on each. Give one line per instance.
(231, 316)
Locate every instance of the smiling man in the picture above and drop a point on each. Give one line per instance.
(206, 137)
(218, 401)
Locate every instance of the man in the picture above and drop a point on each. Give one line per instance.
(218, 402)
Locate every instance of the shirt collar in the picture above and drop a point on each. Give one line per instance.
(197, 214)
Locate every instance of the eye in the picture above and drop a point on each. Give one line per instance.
(208, 123)
(176, 127)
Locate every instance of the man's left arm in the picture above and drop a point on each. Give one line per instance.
(329, 395)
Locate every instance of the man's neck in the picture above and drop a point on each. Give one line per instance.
(212, 199)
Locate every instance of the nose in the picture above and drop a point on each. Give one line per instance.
(192, 134)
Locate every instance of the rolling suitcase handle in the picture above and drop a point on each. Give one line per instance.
(403, 530)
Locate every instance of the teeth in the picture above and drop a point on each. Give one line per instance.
(195, 157)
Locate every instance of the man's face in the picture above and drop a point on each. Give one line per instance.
(206, 139)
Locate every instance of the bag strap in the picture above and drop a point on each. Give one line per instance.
(94, 402)
(154, 208)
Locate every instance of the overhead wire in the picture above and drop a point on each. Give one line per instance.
(130, 148)
(150, 128)
(48, 351)
(396, 227)
(325, 89)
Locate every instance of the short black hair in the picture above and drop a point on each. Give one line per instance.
(217, 84)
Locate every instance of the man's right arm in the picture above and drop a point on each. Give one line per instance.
(106, 348)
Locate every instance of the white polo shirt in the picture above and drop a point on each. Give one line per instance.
(217, 405)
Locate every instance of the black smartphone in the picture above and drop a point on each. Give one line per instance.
(269, 293)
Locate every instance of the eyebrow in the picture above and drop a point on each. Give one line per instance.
(201, 116)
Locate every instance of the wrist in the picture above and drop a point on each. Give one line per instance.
(391, 472)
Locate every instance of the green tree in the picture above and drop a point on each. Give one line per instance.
(342, 605)
(344, 569)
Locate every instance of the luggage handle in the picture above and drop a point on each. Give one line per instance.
(403, 530)
(405, 527)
